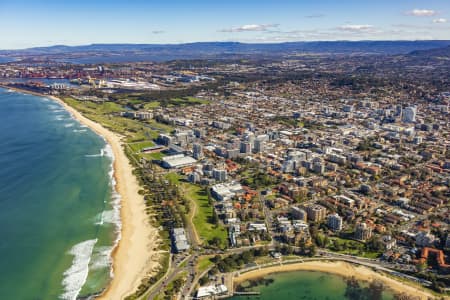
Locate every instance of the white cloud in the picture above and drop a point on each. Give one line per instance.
(422, 12)
(440, 21)
(157, 31)
(355, 28)
(250, 27)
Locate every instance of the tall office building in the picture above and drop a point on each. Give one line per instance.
(259, 145)
(334, 221)
(197, 149)
(409, 114)
(246, 147)
(220, 175)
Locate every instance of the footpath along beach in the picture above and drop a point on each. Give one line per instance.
(136, 254)
(340, 268)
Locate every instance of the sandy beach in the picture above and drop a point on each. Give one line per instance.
(343, 269)
(136, 254)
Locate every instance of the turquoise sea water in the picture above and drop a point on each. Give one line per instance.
(58, 212)
(309, 285)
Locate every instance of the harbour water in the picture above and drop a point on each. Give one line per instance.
(59, 213)
(311, 285)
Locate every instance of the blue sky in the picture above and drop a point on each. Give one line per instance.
(27, 23)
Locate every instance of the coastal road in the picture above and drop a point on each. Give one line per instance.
(187, 264)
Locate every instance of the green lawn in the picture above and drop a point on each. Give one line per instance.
(202, 218)
(137, 147)
(152, 156)
(151, 105)
(173, 177)
(102, 113)
(198, 100)
(355, 248)
(204, 263)
(160, 126)
(361, 253)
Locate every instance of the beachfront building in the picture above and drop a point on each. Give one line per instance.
(211, 291)
(180, 241)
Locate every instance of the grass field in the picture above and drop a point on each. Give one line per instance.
(101, 113)
(189, 100)
(137, 147)
(173, 177)
(355, 248)
(151, 105)
(203, 216)
(160, 126)
(152, 156)
(204, 263)
(134, 130)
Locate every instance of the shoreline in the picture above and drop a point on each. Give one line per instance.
(135, 255)
(344, 269)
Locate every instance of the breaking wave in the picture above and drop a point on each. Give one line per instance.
(75, 277)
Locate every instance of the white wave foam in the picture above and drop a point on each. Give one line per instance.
(59, 117)
(79, 130)
(108, 151)
(102, 153)
(101, 258)
(115, 201)
(75, 277)
(109, 216)
(69, 125)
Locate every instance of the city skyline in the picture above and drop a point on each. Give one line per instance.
(25, 24)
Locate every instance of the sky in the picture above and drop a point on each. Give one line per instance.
(30, 23)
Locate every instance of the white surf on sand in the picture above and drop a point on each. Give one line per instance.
(113, 216)
(103, 152)
(75, 277)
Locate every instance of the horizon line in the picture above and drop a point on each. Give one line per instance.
(224, 42)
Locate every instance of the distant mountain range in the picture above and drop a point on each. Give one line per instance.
(443, 52)
(227, 49)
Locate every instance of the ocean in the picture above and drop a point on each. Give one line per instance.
(59, 213)
(310, 285)
(5, 59)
